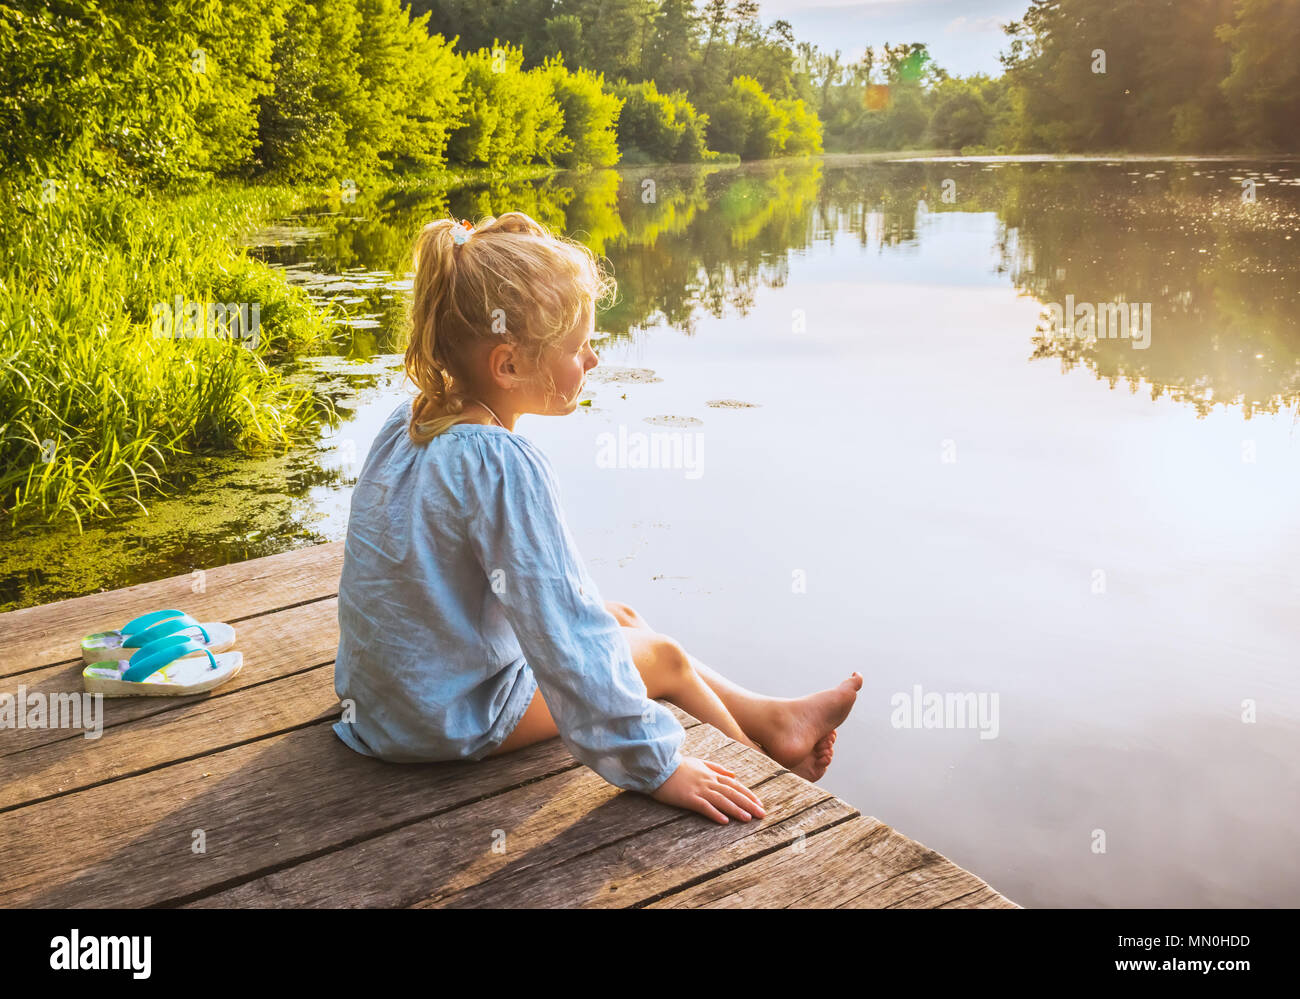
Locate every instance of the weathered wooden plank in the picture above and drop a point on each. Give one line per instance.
(653, 859)
(934, 880)
(274, 645)
(205, 726)
(450, 860)
(258, 806)
(571, 811)
(981, 898)
(862, 863)
(42, 636)
(936, 885)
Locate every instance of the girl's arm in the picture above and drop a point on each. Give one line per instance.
(574, 645)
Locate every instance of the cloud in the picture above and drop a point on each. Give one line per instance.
(973, 25)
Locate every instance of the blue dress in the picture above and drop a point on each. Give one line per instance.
(462, 592)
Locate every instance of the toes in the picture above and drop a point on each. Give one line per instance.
(825, 748)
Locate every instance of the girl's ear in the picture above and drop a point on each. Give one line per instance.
(504, 361)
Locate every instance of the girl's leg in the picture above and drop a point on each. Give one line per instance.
(754, 712)
(797, 732)
(666, 670)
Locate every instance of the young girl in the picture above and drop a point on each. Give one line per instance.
(468, 623)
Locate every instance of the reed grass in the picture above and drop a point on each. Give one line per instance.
(95, 408)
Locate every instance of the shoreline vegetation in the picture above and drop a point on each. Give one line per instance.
(102, 399)
(126, 192)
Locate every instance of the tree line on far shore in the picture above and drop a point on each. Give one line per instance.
(1078, 75)
(123, 92)
(318, 89)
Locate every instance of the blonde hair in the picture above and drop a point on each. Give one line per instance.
(511, 281)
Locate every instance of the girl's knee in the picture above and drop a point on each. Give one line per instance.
(662, 662)
(625, 615)
(670, 656)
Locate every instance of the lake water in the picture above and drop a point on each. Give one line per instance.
(891, 467)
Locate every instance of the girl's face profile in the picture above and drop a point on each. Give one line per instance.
(570, 364)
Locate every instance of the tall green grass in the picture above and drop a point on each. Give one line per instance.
(95, 408)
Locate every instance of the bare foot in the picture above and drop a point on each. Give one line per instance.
(801, 733)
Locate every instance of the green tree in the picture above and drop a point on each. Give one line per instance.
(805, 128)
(511, 115)
(648, 127)
(304, 122)
(748, 122)
(232, 64)
(673, 49)
(107, 89)
(590, 116)
(1263, 85)
(1144, 75)
(412, 90)
(660, 127)
(961, 117)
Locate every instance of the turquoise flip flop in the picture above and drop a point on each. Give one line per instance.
(171, 666)
(211, 637)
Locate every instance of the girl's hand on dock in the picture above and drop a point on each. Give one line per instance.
(700, 786)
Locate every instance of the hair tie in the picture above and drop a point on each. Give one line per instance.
(461, 233)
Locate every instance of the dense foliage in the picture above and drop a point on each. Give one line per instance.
(135, 92)
(1179, 74)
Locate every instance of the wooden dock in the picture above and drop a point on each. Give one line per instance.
(244, 797)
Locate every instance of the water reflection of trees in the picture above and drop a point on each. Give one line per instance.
(691, 241)
(1220, 275)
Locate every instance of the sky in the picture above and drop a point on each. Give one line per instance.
(964, 36)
